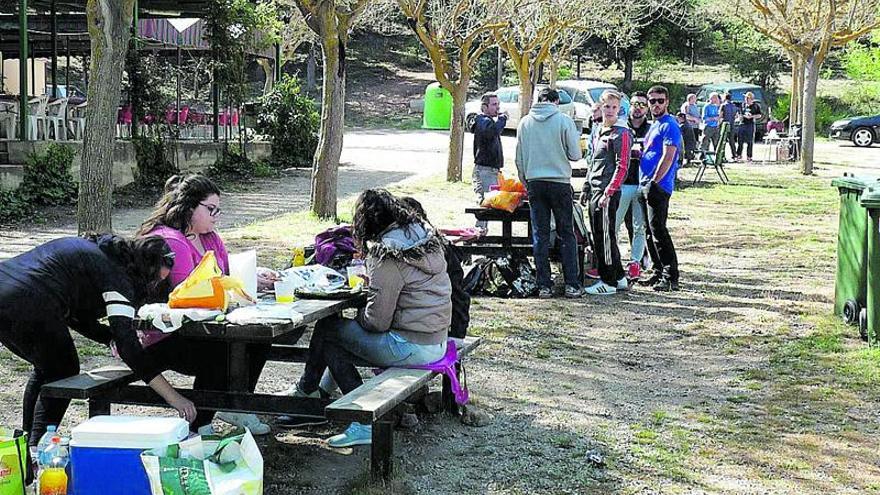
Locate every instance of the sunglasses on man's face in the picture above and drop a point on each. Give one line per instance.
(640, 104)
(656, 101)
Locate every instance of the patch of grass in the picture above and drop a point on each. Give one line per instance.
(404, 122)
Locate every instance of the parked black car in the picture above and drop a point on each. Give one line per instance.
(862, 131)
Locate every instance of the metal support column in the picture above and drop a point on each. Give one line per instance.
(215, 96)
(179, 68)
(54, 50)
(22, 69)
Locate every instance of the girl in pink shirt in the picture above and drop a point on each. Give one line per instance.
(186, 217)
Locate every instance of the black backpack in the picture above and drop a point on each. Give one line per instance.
(461, 299)
(502, 277)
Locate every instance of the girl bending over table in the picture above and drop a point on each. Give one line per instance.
(71, 283)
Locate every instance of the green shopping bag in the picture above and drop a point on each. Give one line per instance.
(209, 465)
(13, 459)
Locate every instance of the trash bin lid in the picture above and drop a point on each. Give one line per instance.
(857, 183)
(871, 197)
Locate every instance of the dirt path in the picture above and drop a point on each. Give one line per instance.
(370, 158)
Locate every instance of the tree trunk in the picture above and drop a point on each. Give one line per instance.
(326, 162)
(456, 131)
(109, 24)
(311, 64)
(269, 72)
(499, 76)
(628, 56)
(812, 66)
(526, 89)
(797, 77)
(554, 71)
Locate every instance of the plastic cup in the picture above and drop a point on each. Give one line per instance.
(356, 275)
(285, 291)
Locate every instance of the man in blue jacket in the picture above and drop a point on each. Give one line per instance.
(488, 154)
(657, 178)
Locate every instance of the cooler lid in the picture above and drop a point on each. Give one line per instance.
(129, 432)
(871, 197)
(857, 183)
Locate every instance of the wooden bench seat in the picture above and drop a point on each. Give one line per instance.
(91, 386)
(372, 402)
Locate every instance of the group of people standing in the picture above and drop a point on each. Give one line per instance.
(706, 123)
(631, 177)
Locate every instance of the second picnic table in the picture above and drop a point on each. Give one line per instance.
(508, 244)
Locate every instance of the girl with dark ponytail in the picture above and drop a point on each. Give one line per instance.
(71, 283)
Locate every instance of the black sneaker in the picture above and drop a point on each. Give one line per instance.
(299, 421)
(651, 281)
(666, 285)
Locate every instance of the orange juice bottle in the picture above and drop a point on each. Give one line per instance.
(53, 481)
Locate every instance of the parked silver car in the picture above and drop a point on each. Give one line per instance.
(508, 97)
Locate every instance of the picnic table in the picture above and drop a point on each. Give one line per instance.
(371, 403)
(507, 243)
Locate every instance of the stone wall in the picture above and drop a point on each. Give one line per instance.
(191, 156)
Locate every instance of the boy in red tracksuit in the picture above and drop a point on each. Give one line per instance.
(611, 146)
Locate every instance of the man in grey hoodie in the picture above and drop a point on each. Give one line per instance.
(547, 141)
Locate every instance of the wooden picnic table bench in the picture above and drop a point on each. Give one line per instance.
(371, 403)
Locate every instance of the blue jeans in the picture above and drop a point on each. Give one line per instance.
(340, 344)
(545, 198)
(629, 200)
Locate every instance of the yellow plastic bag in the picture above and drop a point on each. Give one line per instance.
(503, 200)
(206, 287)
(510, 184)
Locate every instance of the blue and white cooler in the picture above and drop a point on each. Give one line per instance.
(105, 452)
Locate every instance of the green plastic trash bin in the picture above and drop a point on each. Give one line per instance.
(869, 322)
(850, 285)
(438, 108)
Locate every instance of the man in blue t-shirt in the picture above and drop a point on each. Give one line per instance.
(657, 178)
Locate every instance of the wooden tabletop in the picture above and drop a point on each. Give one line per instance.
(482, 213)
(311, 309)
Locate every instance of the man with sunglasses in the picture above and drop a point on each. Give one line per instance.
(658, 167)
(631, 211)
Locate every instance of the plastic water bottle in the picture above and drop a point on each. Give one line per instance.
(53, 461)
(37, 452)
(44, 442)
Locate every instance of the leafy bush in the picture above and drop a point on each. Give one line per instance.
(234, 165)
(13, 207)
(291, 121)
(153, 165)
(47, 178)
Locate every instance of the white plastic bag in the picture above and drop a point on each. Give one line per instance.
(207, 465)
(314, 278)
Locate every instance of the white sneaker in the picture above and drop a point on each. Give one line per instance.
(623, 284)
(249, 421)
(600, 289)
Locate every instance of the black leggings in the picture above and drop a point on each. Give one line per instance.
(48, 346)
